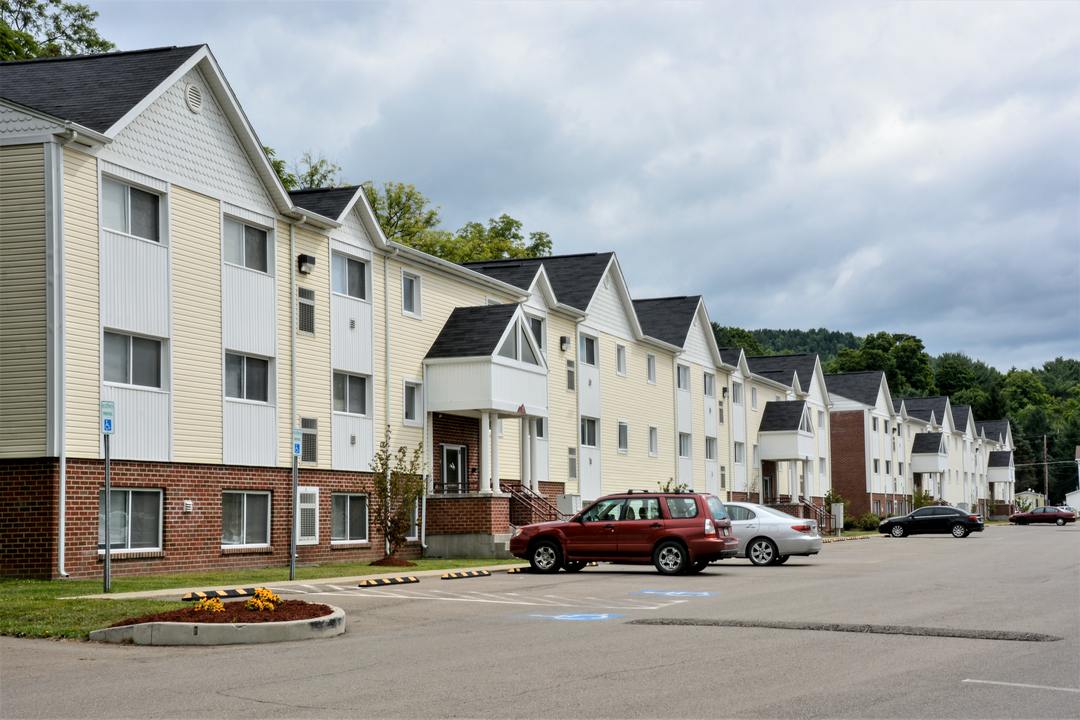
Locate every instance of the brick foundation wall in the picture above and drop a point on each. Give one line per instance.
(552, 491)
(28, 517)
(848, 444)
(190, 541)
(456, 430)
(468, 514)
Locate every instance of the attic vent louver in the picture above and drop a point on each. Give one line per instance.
(193, 96)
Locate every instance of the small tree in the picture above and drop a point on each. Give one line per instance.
(399, 486)
(921, 498)
(672, 486)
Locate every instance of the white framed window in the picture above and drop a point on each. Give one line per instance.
(129, 210)
(685, 446)
(413, 533)
(877, 466)
(348, 518)
(654, 441)
(247, 378)
(650, 368)
(570, 369)
(517, 346)
(820, 419)
(821, 466)
(540, 429)
(134, 519)
(620, 359)
(900, 468)
(305, 310)
(624, 437)
(736, 393)
(720, 411)
(131, 360)
(351, 394)
(348, 277)
(587, 350)
(710, 448)
(757, 456)
(740, 453)
(588, 432)
(309, 441)
(710, 385)
(245, 518)
(571, 470)
(246, 245)
(682, 377)
(307, 519)
(723, 477)
(805, 425)
(538, 328)
(874, 423)
(753, 398)
(411, 304)
(888, 467)
(886, 427)
(411, 401)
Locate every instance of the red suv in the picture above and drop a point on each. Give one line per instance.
(675, 531)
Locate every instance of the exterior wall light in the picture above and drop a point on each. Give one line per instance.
(564, 343)
(305, 263)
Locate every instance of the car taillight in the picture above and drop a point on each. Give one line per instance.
(973, 517)
(710, 528)
(801, 528)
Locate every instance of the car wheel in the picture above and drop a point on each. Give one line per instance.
(697, 567)
(669, 558)
(959, 531)
(545, 556)
(762, 551)
(1061, 521)
(782, 559)
(573, 565)
(898, 531)
(1021, 521)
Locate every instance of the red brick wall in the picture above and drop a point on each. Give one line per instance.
(848, 445)
(190, 541)
(552, 490)
(459, 515)
(456, 430)
(28, 521)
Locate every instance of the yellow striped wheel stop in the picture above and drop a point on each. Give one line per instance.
(234, 592)
(520, 569)
(388, 581)
(473, 573)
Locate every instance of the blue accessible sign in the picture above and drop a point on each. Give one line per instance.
(674, 593)
(571, 616)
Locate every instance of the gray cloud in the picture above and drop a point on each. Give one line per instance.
(909, 167)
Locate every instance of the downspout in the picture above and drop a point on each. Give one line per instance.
(386, 347)
(675, 390)
(61, 331)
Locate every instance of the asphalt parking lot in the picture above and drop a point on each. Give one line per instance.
(813, 638)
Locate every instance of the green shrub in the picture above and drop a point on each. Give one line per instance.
(849, 523)
(868, 521)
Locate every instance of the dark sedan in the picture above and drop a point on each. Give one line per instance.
(935, 519)
(1046, 514)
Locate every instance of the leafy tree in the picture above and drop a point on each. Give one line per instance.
(1023, 389)
(921, 498)
(952, 377)
(287, 178)
(399, 486)
(48, 28)
(737, 337)
(403, 212)
(1059, 375)
(825, 343)
(903, 359)
(312, 172)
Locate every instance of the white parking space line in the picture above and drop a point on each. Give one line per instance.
(1023, 685)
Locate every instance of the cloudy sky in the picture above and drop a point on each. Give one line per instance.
(856, 166)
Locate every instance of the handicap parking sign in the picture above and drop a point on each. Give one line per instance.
(108, 417)
(297, 440)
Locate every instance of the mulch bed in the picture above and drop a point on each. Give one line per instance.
(235, 612)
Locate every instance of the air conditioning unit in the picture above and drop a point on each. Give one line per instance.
(568, 504)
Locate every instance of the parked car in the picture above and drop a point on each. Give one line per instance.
(677, 532)
(768, 536)
(934, 519)
(1046, 514)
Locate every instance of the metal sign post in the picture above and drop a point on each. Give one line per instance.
(297, 444)
(108, 427)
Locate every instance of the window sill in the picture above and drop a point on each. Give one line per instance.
(351, 297)
(247, 549)
(131, 554)
(264, 273)
(245, 401)
(121, 233)
(349, 544)
(415, 423)
(413, 316)
(129, 386)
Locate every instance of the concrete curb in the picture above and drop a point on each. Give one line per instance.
(167, 633)
(853, 537)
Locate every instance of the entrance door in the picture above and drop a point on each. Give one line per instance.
(767, 488)
(454, 459)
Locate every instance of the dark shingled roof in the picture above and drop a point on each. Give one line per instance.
(921, 407)
(667, 319)
(92, 90)
(995, 429)
(472, 331)
(573, 277)
(861, 387)
(782, 416)
(784, 377)
(999, 458)
(896, 403)
(328, 202)
(730, 355)
(803, 364)
(960, 415)
(926, 444)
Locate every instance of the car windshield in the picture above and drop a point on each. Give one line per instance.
(717, 508)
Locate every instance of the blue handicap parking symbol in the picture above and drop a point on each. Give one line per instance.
(108, 425)
(570, 616)
(674, 593)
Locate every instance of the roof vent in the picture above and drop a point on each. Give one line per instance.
(193, 96)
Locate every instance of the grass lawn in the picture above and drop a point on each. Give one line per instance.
(33, 608)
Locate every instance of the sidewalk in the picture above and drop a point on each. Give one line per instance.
(353, 580)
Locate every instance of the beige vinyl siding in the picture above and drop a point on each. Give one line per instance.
(697, 418)
(633, 399)
(197, 358)
(562, 404)
(23, 342)
(314, 375)
(82, 341)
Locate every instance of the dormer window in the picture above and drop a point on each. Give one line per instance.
(518, 346)
(806, 425)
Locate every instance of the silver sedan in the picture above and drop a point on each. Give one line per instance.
(768, 536)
